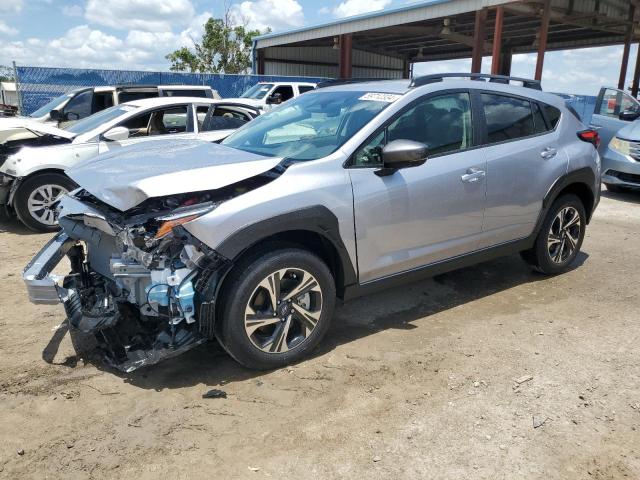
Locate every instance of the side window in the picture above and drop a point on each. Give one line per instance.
(285, 90)
(134, 95)
(305, 88)
(79, 106)
(138, 125)
(508, 118)
(553, 115)
(614, 102)
(538, 119)
(219, 118)
(443, 123)
(159, 122)
(102, 100)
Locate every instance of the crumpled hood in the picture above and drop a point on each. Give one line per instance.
(11, 126)
(129, 176)
(630, 132)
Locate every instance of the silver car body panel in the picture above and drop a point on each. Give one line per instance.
(165, 167)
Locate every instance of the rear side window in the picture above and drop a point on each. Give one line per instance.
(305, 88)
(553, 115)
(508, 118)
(133, 95)
(538, 119)
(185, 93)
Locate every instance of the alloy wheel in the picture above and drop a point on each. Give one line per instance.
(40, 201)
(564, 235)
(283, 310)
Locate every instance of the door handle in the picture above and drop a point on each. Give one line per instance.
(548, 153)
(472, 175)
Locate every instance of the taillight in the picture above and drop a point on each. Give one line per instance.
(591, 136)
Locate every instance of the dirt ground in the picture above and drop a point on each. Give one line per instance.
(490, 372)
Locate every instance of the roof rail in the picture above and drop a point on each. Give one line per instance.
(439, 77)
(345, 81)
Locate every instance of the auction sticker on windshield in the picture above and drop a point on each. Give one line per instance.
(380, 97)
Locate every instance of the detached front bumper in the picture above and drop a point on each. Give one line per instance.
(42, 286)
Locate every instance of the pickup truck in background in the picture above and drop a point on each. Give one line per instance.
(265, 94)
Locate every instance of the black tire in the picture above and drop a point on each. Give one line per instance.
(541, 256)
(32, 184)
(240, 288)
(616, 188)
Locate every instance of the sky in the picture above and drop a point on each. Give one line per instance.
(137, 34)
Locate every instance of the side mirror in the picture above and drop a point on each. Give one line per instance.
(275, 99)
(116, 134)
(629, 115)
(55, 115)
(402, 154)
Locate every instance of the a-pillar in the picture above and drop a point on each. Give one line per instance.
(345, 66)
(542, 41)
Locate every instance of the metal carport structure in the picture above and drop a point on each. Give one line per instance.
(386, 43)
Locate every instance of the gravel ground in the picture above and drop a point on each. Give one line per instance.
(490, 372)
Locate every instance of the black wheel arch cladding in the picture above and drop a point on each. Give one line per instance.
(316, 219)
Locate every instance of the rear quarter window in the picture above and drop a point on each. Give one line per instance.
(553, 115)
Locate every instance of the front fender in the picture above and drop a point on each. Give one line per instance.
(30, 160)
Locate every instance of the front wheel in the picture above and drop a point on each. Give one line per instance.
(277, 306)
(34, 198)
(560, 237)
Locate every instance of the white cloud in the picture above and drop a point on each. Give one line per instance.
(72, 10)
(349, 8)
(10, 6)
(263, 14)
(144, 15)
(6, 29)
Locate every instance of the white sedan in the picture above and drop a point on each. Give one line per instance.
(33, 157)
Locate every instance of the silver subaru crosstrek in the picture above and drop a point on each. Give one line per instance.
(353, 187)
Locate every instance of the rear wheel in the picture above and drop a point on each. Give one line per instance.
(560, 237)
(276, 308)
(34, 198)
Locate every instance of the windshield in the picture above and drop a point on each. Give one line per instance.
(311, 126)
(52, 105)
(258, 91)
(93, 121)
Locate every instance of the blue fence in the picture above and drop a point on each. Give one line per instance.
(38, 85)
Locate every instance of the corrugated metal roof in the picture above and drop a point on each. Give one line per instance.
(383, 18)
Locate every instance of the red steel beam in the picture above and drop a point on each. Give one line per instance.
(542, 41)
(636, 75)
(478, 40)
(497, 42)
(346, 66)
(625, 51)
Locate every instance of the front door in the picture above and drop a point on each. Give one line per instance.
(175, 121)
(424, 214)
(609, 104)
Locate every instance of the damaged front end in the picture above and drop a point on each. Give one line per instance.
(139, 282)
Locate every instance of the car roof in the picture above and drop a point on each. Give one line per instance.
(164, 101)
(403, 86)
(288, 83)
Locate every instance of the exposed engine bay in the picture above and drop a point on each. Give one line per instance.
(139, 281)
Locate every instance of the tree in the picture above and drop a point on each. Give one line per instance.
(225, 47)
(6, 74)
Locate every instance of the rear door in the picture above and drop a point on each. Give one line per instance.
(609, 104)
(524, 158)
(424, 214)
(218, 121)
